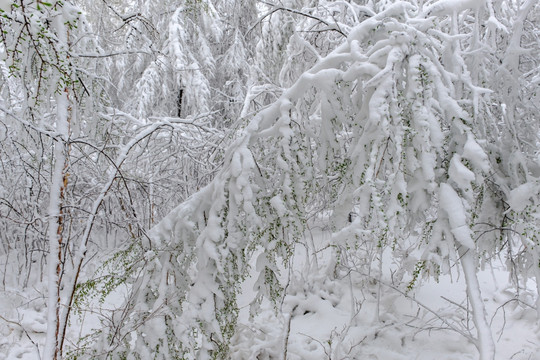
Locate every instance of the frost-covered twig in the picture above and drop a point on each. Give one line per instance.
(276, 8)
(455, 303)
(54, 135)
(502, 306)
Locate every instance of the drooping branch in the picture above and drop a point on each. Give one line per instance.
(275, 8)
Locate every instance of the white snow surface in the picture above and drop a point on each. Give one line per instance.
(475, 154)
(338, 318)
(449, 7)
(520, 197)
(460, 174)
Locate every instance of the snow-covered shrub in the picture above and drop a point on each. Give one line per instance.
(385, 126)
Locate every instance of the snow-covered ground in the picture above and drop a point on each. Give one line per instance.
(352, 316)
(361, 317)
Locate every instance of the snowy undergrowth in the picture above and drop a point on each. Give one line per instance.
(23, 314)
(23, 323)
(401, 124)
(355, 315)
(330, 310)
(388, 126)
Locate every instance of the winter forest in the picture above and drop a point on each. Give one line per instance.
(270, 179)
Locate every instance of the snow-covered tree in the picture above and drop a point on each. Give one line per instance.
(80, 174)
(407, 128)
(394, 125)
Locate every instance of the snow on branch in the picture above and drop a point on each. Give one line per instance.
(383, 127)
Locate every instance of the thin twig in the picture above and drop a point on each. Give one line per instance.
(443, 320)
(455, 303)
(276, 8)
(25, 332)
(288, 319)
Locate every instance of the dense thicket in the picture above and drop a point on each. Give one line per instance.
(405, 127)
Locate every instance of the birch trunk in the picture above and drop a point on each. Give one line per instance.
(53, 344)
(52, 350)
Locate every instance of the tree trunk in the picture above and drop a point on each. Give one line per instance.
(58, 182)
(485, 344)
